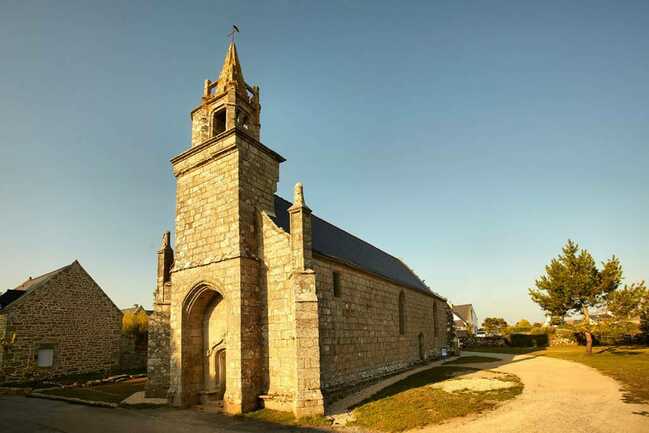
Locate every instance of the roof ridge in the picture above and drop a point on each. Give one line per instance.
(43, 277)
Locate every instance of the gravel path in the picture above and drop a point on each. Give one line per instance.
(559, 396)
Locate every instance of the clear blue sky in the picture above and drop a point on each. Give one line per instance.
(471, 139)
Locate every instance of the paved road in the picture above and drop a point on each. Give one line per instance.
(33, 415)
(559, 396)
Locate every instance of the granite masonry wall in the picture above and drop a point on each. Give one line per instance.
(360, 338)
(69, 313)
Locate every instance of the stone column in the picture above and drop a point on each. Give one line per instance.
(308, 399)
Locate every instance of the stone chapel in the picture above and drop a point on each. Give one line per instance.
(261, 303)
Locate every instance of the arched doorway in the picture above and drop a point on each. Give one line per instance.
(204, 341)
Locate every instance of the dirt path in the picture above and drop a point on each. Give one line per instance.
(559, 396)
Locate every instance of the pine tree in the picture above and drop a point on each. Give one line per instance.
(573, 284)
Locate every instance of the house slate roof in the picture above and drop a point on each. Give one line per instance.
(333, 242)
(136, 309)
(28, 285)
(463, 311)
(9, 296)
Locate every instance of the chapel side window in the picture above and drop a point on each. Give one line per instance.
(402, 313)
(435, 325)
(337, 284)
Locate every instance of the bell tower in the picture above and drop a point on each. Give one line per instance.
(229, 102)
(223, 181)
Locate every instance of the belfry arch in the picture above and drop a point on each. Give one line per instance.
(204, 344)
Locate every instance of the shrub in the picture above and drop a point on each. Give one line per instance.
(528, 340)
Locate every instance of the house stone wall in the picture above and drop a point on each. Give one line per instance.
(69, 313)
(359, 331)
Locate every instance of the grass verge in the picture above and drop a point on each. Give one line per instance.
(287, 418)
(411, 403)
(629, 365)
(110, 393)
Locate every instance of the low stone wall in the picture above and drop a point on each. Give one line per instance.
(133, 352)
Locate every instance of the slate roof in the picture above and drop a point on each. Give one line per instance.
(9, 296)
(28, 285)
(463, 311)
(331, 241)
(136, 309)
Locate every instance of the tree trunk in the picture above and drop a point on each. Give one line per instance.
(589, 335)
(589, 343)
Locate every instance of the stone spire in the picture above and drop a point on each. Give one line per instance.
(231, 72)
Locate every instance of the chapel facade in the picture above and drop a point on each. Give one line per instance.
(261, 303)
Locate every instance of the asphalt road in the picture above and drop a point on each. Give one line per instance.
(34, 415)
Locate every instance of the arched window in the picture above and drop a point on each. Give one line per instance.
(435, 325)
(218, 122)
(402, 313)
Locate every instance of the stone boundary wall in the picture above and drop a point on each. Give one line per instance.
(133, 352)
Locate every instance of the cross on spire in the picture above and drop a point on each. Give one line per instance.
(233, 32)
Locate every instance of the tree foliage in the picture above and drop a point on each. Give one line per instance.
(573, 284)
(494, 325)
(522, 325)
(135, 323)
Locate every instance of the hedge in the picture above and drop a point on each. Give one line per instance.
(528, 340)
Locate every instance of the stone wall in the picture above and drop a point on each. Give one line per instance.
(158, 352)
(221, 184)
(132, 352)
(360, 338)
(70, 314)
(278, 317)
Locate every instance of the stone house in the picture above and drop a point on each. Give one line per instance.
(466, 320)
(263, 303)
(57, 324)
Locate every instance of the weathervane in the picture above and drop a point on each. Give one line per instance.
(234, 31)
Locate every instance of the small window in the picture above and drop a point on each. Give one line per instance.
(218, 123)
(337, 288)
(45, 357)
(402, 313)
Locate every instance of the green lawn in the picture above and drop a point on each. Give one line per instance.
(411, 403)
(627, 364)
(472, 360)
(110, 393)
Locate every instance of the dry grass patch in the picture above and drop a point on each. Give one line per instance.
(415, 402)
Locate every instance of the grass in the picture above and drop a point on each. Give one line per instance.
(411, 403)
(472, 360)
(627, 364)
(287, 418)
(110, 393)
